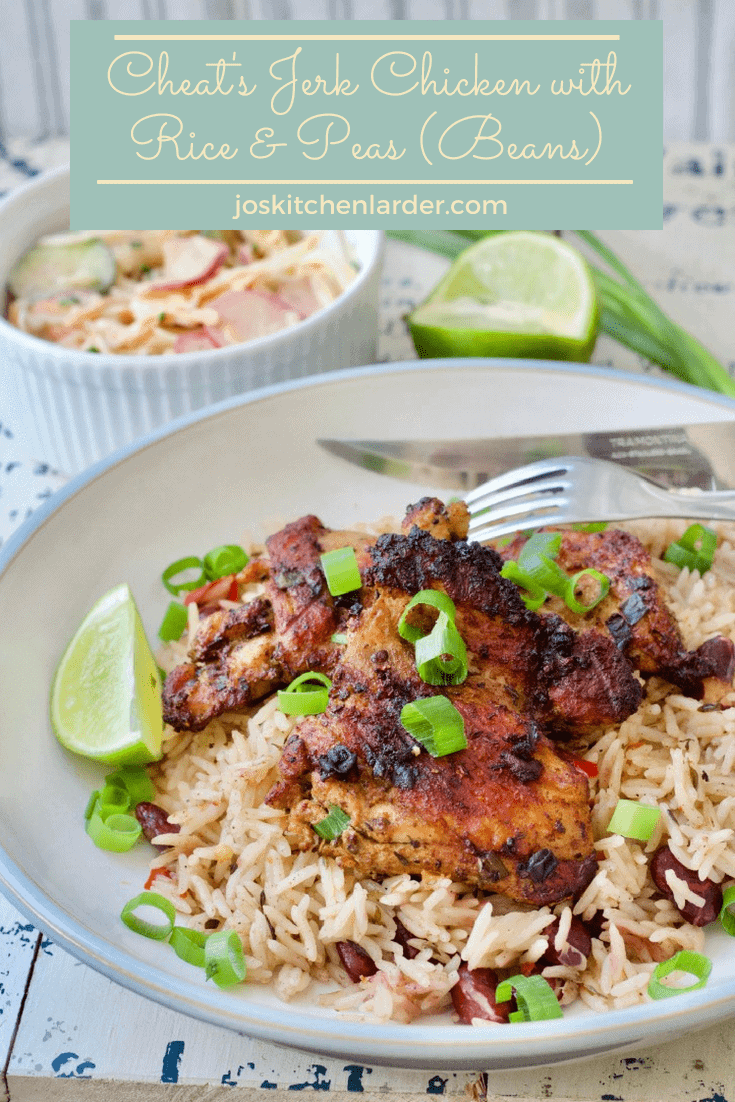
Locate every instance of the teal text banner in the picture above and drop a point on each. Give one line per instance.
(381, 125)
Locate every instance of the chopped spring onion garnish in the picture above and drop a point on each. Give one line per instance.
(537, 572)
(545, 573)
(684, 961)
(540, 543)
(91, 804)
(307, 695)
(174, 623)
(537, 560)
(108, 825)
(220, 562)
(189, 945)
(534, 995)
(339, 637)
(225, 560)
(634, 820)
(435, 599)
(436, 724)
(341, 571)
(181, 566)
(727, 918)
(535, 594)
(135, 780)
(695, 549)
(332, 826)
(157, 931)
(224, 960)
(441, 657)
(595, 526)
(113, 798)
(113, 831)
(570, 596)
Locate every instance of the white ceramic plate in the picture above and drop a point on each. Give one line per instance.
(207, 481)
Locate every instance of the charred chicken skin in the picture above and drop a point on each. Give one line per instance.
(240, 655)
(510, 812)
(634, 615)
(507, 813)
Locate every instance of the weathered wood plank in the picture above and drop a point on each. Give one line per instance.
(78, 1025)
(18, 940)
(699, 1067)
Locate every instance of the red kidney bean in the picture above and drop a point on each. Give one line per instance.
(403, 937)
(595, 924)
(355, 961)
(662, 860)
(154, 821)
(577, 950)
(473, 996)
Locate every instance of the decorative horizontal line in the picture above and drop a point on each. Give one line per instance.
(367, 37)
(325, 183)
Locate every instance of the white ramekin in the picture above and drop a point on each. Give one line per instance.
(71, 408)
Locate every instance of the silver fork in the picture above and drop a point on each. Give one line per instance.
(575, 489)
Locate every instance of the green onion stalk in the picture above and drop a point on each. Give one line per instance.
(628, 314)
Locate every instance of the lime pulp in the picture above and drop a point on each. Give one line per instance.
(106, 694)
(519, 293)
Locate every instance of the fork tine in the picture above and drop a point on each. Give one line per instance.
(533, 507)
(528, 497)
(484, 533)
(516, 477)
(538, 488)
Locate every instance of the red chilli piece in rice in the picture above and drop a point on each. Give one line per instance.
(663, 860)
(577, 949)
(208, 596)
(356, 962)
(473, 996)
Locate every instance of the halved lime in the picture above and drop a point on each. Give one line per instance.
(106, 695)
(514, 294)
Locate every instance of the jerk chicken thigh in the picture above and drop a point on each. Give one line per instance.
(510, 812)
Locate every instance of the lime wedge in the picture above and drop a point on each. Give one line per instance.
(513, 294)
(106, 695)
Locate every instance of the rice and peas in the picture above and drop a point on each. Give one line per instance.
(232, 866)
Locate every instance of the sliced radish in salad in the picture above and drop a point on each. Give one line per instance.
(46, 270)
(298, 294)
(253, 314)
(190, 260)
(199, 340)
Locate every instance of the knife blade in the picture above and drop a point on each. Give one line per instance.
(676, 457)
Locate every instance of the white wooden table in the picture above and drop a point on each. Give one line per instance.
(68, 1033)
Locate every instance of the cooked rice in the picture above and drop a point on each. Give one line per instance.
(232, 866)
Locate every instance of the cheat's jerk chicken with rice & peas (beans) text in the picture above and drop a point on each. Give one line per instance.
(157, 291)
(441, 822)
